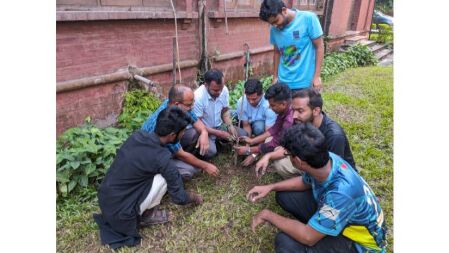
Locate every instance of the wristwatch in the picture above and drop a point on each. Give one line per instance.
(248, 151)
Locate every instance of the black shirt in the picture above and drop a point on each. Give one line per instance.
(128, 182)
(336, 140)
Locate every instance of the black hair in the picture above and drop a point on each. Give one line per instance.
(253, 85)
(171, 120)
(270, 8)
(176, 93)
(213, 75)
(279, 92)
(306, 142)
(315, 99)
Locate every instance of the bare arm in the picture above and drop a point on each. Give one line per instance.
(276, 154)
(299, 231)
(291, 184)
(195, 162)
(260, 138)
(262, 164)
(226, 117)
(216, 132)
(247, 127)
(319, 49)
(203, 139)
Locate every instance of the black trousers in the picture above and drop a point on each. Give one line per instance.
(302, 206)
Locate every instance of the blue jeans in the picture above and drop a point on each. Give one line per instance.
(258, 127)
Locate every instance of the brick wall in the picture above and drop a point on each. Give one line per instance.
(100, 47)
(99, 102)
(104, 36)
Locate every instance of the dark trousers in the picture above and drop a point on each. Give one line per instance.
(302, 206)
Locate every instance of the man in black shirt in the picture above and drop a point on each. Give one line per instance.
(307, 105)
(142, 172)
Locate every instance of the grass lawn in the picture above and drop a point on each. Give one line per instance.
(360, 99)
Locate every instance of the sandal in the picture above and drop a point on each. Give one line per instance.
(154, 216)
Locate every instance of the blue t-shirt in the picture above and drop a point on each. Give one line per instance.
(150, 124)
(346, 204)
(297, 60)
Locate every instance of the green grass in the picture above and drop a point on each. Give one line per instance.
(360, 99)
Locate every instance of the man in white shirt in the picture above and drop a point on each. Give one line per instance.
(212, 107)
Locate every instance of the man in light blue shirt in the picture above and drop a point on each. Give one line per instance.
(256, 115)
(212, 108)
(298, 44)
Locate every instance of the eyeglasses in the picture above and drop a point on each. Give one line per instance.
(188, 105)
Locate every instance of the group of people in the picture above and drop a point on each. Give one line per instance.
(333, 208)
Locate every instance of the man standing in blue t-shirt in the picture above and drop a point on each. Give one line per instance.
(335, 210)
(297, 38)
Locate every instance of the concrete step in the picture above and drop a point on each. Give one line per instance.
(377, 47)
(354, 40)
(367, 42)
(383, 53)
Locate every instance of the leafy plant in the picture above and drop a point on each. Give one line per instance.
(362, 55)
(83, 155)
(137, 106)
(385, 34)
(357, 55)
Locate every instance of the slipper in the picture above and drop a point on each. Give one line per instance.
(155, 216)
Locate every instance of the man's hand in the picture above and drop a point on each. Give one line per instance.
(248, 161)
(261, 166)
(223, 135)
(258, 192)
(241, 150)
(317, 84)
(246, 139)
(259, 219)
(233, 131)
(195, 198)
(203, 143)
(212, 170)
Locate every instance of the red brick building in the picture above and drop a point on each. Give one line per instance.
(99, 40)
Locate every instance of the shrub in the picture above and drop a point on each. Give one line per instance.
(137, 106)
(362, 55)
(385, 34)
(357, 55)
(84, 154)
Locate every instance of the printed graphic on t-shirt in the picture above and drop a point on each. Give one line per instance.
(296, 34)
(290, 55)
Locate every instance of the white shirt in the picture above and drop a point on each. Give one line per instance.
(209, 109)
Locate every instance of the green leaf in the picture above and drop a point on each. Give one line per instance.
(75, 164)
(83, 180)
(90, 169)
(71, 185)
(62, 177)
(63, 188)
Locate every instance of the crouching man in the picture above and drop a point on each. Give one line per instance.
(334, 208)
(142, 172)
